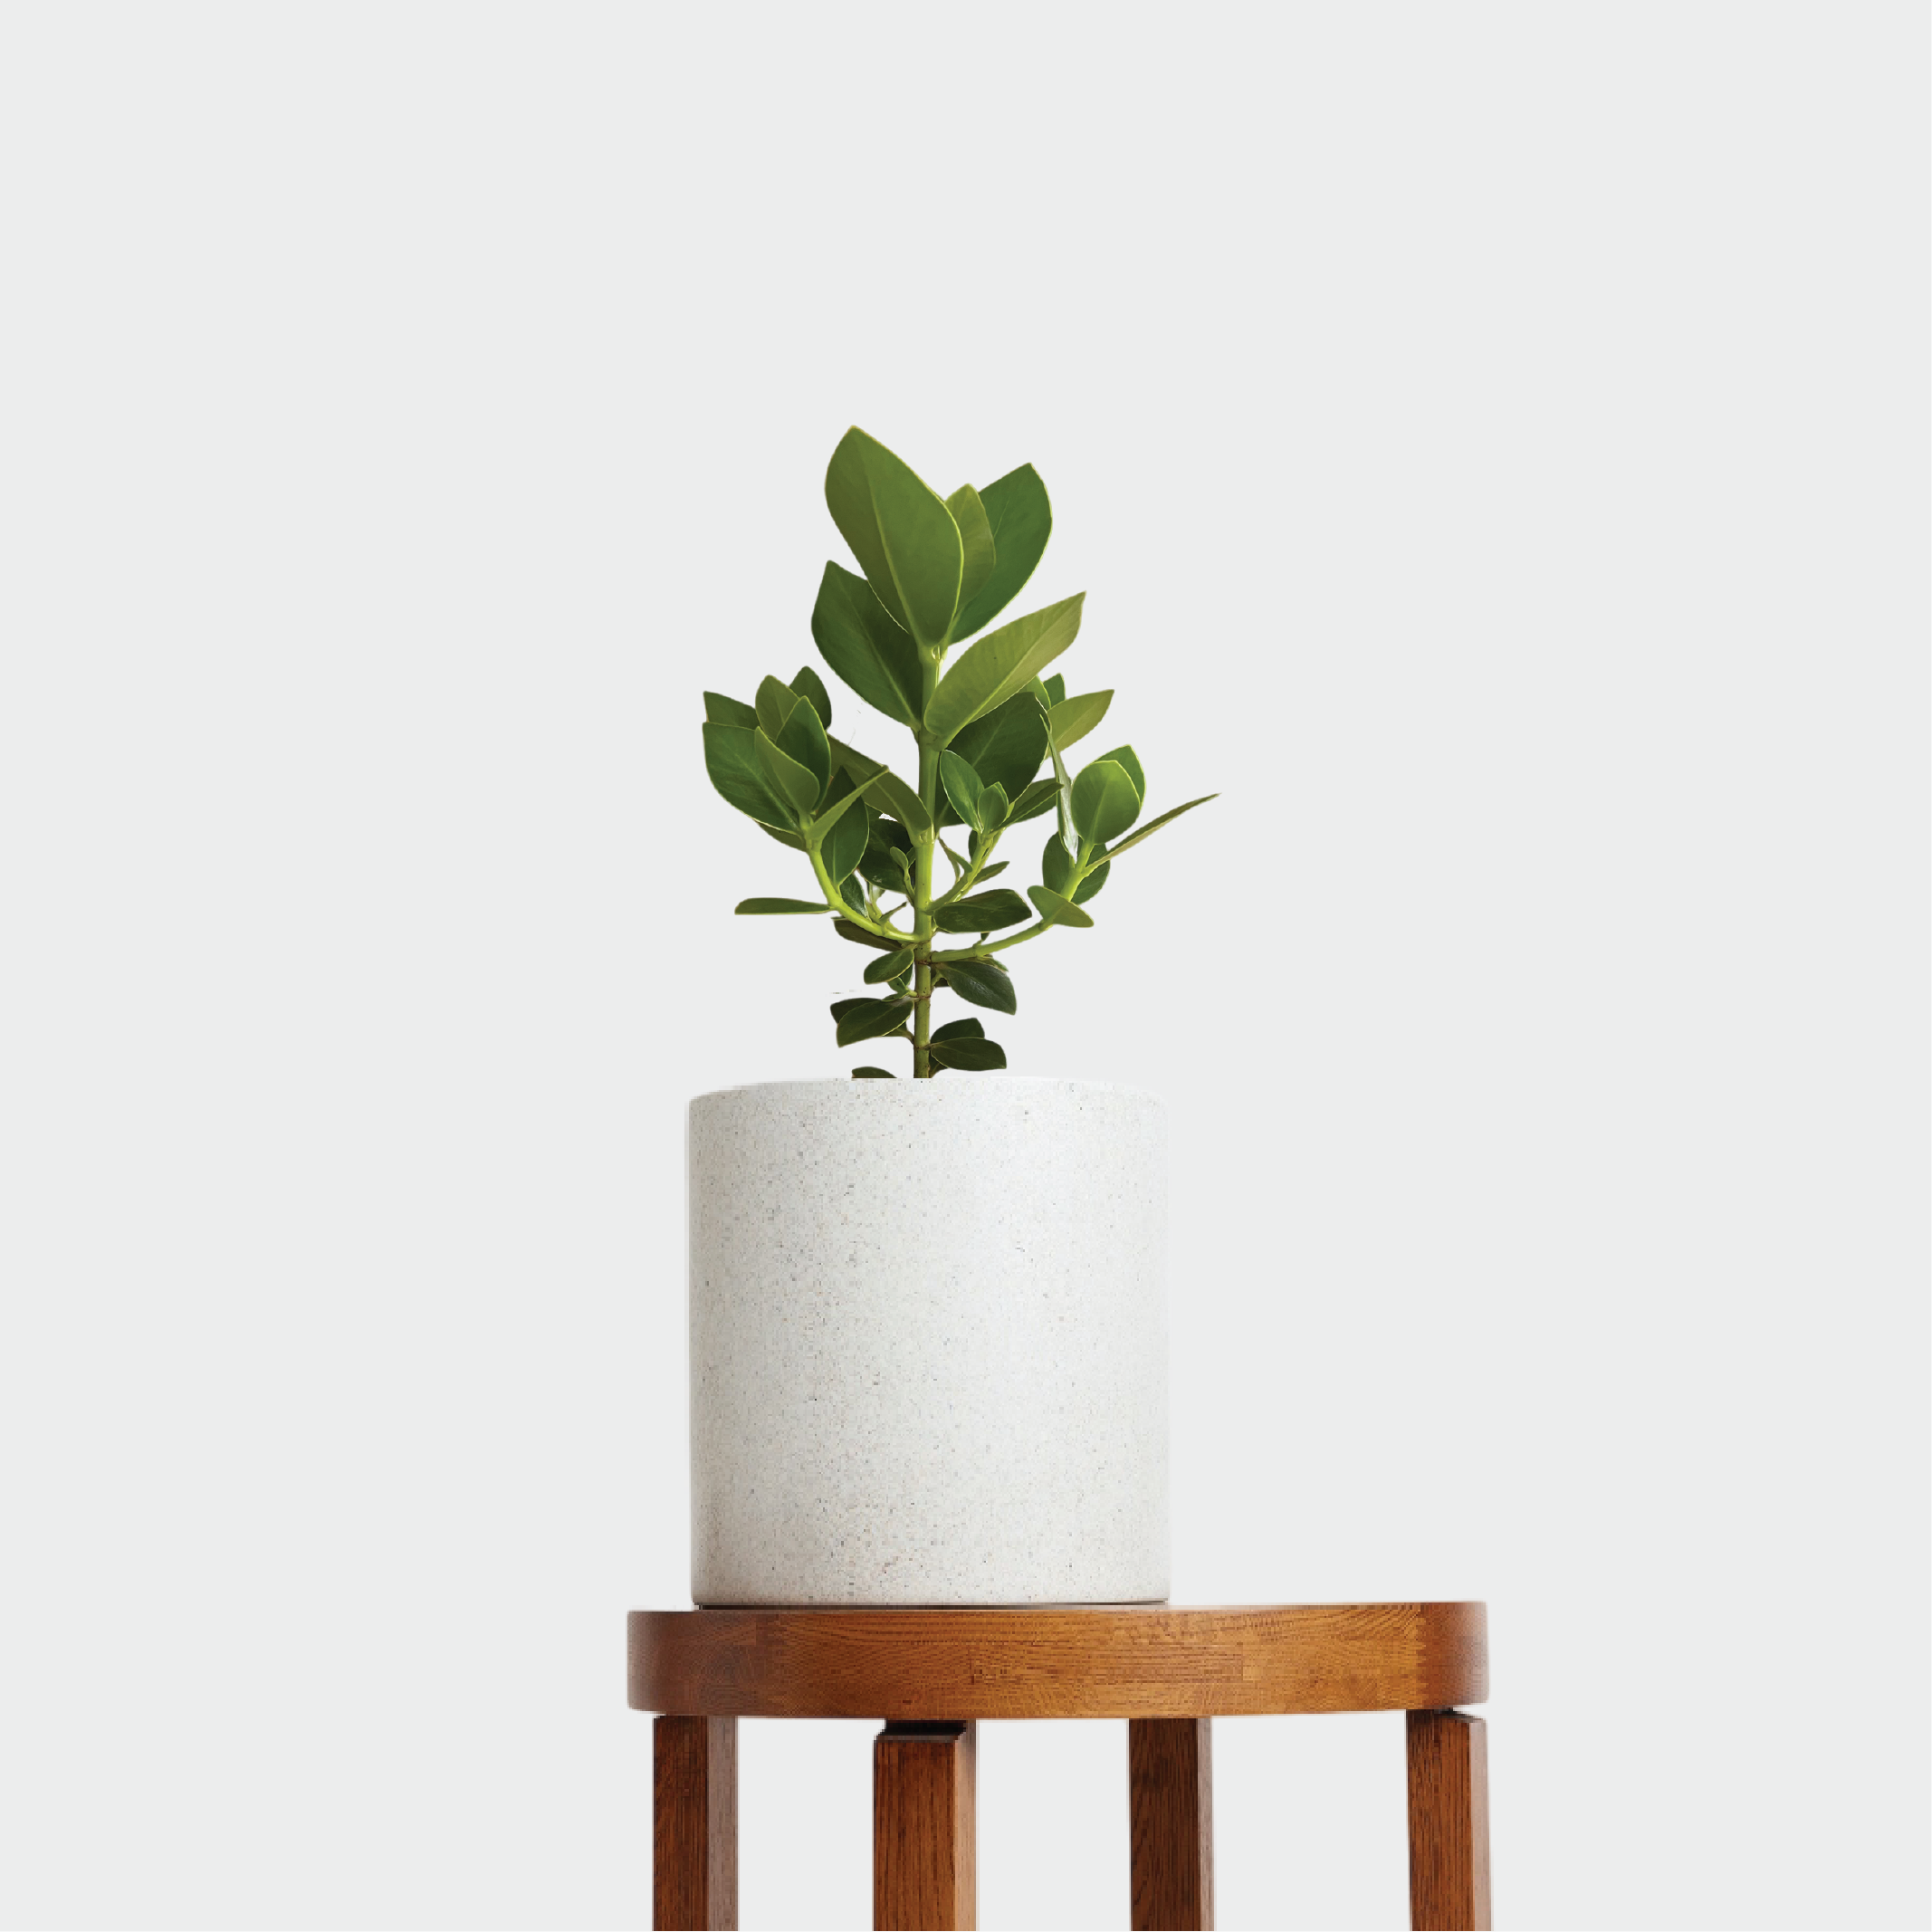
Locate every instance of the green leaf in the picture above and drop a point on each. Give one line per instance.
(888, 966)
(901, 531)
(1057, 911)
(871, 1019)
(989, 672)
(859, 936)
(778, 905)
(854, 894)
(963, 786)
(1154, 825)
(958, 1029)
(720, 710)
(1036, 798)
(994, 870)
(1124, 757)
(843, 845)
(871, 1073)
(888, 841)
(786, 775)
(732, 761)
(888, 792)
(809, 685)
(1021, 519)
(982, 912)
(790, 722)
(1006, 745)
(969, 1057)
(840, 1008)
(783, 836)
(1055, 689)
(856, 637)
(976, 540)
(1058, 868)
(1105, 801)
(982, 983)
(992, 807)
(1071, 718)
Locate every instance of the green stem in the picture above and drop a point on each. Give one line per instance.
(922, 852)
(883, 926)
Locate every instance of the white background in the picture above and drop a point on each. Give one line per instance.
(1493, 442)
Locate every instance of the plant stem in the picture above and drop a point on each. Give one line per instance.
(923, 888)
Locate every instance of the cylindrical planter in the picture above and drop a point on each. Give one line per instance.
(928, 1343)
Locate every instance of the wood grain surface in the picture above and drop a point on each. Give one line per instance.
(1448, 1823)
(694, 1838)
(1133, 1660)
(1171, 1821)
(924, 1827)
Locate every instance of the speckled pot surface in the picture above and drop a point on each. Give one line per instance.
(928, 1343)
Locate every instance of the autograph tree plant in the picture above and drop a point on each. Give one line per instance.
(990, 734)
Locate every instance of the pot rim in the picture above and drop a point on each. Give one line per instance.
(977, 1082)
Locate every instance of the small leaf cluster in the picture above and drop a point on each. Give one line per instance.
(991, 735)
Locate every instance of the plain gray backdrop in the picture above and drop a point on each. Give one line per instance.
(1493, 440)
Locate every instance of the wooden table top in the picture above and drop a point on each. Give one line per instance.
(1076, 1660)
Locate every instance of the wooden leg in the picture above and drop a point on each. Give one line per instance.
(923, 1834)
(1448, 1823)
(1170, 1810)
(696, 1840)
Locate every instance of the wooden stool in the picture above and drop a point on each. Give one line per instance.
(932, 1674)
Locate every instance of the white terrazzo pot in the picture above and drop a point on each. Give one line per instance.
(928, 1343)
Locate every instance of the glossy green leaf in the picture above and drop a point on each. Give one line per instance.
(992, 807)
(963, 786)
(852, 892)
(843, 845)
(1058, 870)
(982, 983)
(982, 912)
(792, 781)
(871, 1019)
(856, 637)
(1056, 690)
(1006, 745)
(888, 966)
(1071, 718)
(968, 1057)
(736, 769)
(989, 672)
(976, 541)
(904, 536)
(859, 936)
(1021, 519)
(994, 870)
(783, 836)
(1057, 911)
(960, 1029)
(1038, 798)
(779, 906)
(1124, 757)
(810, 685)
(722, 710)
(791, 722)
(886, 791)
(1154, 825)
(1105, 801)
(871, 1073)
(840, 1008)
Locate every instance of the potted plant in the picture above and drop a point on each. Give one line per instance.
(928, 1333)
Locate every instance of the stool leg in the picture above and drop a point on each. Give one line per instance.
(694, 1843)
(1170, 1810)
(1448, 1823)
(924, 1835)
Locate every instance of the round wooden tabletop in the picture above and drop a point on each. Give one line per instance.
(1077, 1660)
